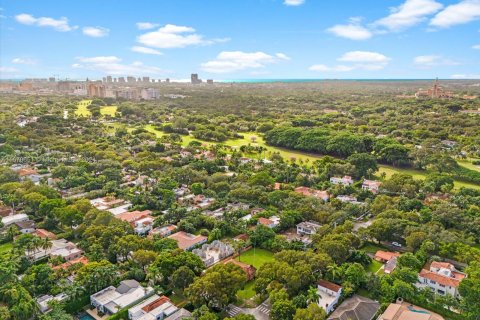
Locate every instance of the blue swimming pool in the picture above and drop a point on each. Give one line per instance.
(416, 310)
(85, 316)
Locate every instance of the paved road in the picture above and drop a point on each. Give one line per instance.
(262, 312)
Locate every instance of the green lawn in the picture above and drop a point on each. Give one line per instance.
(374, 266)
(108, 111)
(82, 109)
(5, 247)
(256, 257)
(469, 165)
(372, 248)
(248, 292)
(178, 299)
(419, 174)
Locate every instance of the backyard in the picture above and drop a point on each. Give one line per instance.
(256, 258)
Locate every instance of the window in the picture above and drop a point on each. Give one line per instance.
(441, 285)
(432, 282)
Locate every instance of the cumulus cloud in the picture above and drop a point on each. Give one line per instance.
(146, 50)
(356, 60)
(232, 61)
(146, 25)
(293, 2)
(476, 47)
(95, 32)
(7, 70)
(353, 30)
(460, 13)
(408, 14)
(429, 61)
(114, 66)
(25, 61)
(57, 24)
(173, 36)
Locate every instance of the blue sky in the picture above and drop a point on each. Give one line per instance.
(240, 39)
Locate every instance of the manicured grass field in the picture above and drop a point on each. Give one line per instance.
(82, 109)
(256, 257)
(374, 266)
(469, 165)
(419, 174)
(5, 247)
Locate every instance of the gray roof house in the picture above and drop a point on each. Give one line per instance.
(356, 308)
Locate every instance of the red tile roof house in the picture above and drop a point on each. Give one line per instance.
(142, 221)
(249, 269)
(187, 241)
(162, 231)
(389, 258)
(309, 192)
(441, 277)
(271, 223)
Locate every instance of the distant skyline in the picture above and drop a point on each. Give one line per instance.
(241, 39)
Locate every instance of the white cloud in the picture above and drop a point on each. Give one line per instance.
(465, 76)
(58, 24)
(293, 2)
(429, 61)
(357, 60)
(146, 50)
(7, 70)
(476, 47)
(231, 61)
(353, 31)
(95, 32)
(146, 25)
(26, 61)
(460, 13)
(112, 65)
(173, 36)
(408, 14)
(324, 68)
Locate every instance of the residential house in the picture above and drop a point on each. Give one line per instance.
(163, 231)
(27, 226)
(307, 228)
(371, 185)
(42, 233)
(60, 248)
(110, 203)
(111, 299)
(14, 218)
(180, 314)
(348, 199)
(309, 192)
(345, 180)
(407, 311)
(356, 308)
(388, 258)
(271, 222)
(329, 293)
(441, 277)
(187, 241)
(43, 301)
(141, 221)
(64, 266)
(214, 252)
(153, 308)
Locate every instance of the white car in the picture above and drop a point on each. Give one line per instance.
(396, 244)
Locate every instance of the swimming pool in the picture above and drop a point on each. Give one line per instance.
(85, 316)
(416, 310)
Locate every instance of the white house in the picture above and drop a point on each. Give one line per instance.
(345, 180)
(271, 222)
(441, 277)
(214, 252)
(307, 228)
(111, 299)
(43, 301)
(8, 220)
(329, 293)
(153, 308)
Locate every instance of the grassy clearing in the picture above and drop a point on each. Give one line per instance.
(374, 266)
(108, 111)
(6, 247)
(82, 109)
(469, 165)
(256, 257)
(419, 174)
(372, 248)
(248, 292)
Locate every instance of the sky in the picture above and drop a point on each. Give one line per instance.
(240, 39)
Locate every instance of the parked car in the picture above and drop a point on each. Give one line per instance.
(396, 244)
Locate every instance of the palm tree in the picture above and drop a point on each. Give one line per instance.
(334, 271)
(46, 244)
(312, 295)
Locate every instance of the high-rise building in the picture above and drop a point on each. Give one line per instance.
(109, 79)
(146, 79)
(194, 78)
(121, 79)
(210, 81)
(131, 80)
(51, 79)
